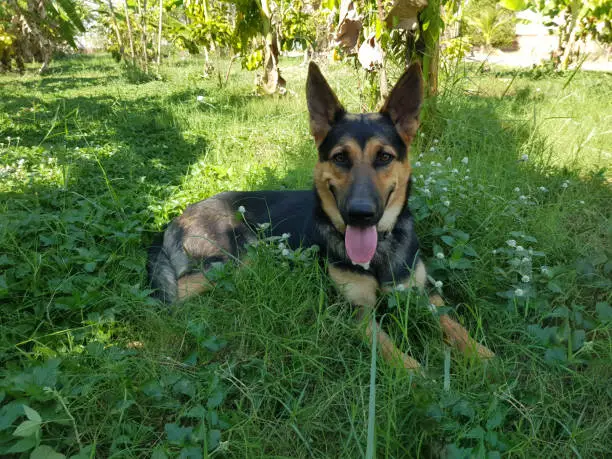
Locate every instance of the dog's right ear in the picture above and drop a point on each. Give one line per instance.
(323, 104)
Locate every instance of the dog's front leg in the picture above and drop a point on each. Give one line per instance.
(361, 290)
(454, 333)
(457, 335)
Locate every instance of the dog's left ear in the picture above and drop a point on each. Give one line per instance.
(323, 105)
(404, 103)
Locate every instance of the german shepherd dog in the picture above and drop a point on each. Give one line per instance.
(357, 213)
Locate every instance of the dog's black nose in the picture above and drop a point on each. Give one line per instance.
(361, 211)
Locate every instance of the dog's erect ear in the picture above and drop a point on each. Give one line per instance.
(404, 103)
(323, 104)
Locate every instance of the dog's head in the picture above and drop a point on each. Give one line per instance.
(363, 170)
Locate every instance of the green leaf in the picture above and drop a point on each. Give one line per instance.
(87, 452)
(31, 414)
(578, 337)
(448, 240)
(23, 445)
(159, 453)
(515, 5)
(8, 414)
(214, 438)
(495, 420)
(477, 432)
(215, 400)
(46, 452)
(177, 434)
(556, 354)
(90, 267)
(604, 311)
(463, 408)
(27, 429)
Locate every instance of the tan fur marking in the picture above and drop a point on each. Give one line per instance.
(323, 177)
(397, 178)
(360, 290)
(456, 334)
(191, 285)
(373, 146)
(391, 354)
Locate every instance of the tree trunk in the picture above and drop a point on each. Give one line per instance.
(159, 31)
(272, 80)
(143, 24)
(384, 86)
(130, 34)
(116, 27)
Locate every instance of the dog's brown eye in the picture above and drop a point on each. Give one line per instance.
(340, 158)
(383, 158)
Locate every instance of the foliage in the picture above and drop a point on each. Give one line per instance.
(489, 24)
(270, 363)
(576, 20)
(34, 30)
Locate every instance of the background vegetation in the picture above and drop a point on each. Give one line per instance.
(513, 211)
(97, 153)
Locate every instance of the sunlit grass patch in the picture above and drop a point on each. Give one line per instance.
(512, 210)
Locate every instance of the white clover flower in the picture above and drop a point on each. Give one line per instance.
(421, 176)
(421, 155)
(417, 164)
(520, 248)
(538, 89)
(465, 160)
(200, 98)
(440, 256)
(438, 165)
(544, 270)
(446, 203)
(432, 149)
(438, 284)
(543, 189)
(517, 190)
(263, 226)
(400, 287)
(581, 202)
(494, 251)
(286, 252)
(519, 292)
(524, 157)
(467, 177)
(444, 188)
(565, 184)
(286, 235)
(242, 210)
(455, 171)
(426, 192)
(523, 197)
(422, 134)
(526, 260)
(20, 162)
(435, 140)
(448, 159)
(282, 246)
(525, 279)
(511, 242)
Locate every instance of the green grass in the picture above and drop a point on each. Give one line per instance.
(270, 363)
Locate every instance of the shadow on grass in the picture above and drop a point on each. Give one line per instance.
(73, 254)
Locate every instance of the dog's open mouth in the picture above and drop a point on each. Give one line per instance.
(360, 243)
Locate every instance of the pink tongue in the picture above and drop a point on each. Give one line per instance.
(360, 243)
